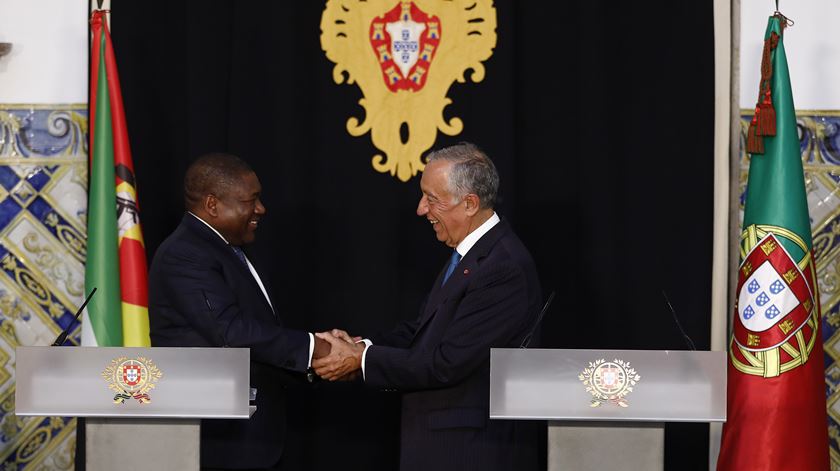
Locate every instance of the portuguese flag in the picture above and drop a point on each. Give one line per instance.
(118, 314)
(776, 406)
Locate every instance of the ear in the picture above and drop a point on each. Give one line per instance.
(210, 205)
(472, 204)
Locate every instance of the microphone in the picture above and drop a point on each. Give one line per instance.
(527, 338)
(688, 340)
(62, 337)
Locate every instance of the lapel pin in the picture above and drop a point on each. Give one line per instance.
(466, 271)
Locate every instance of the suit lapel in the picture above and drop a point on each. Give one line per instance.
(229, 255)
(434, 300)
(270, 300)
(465, 269)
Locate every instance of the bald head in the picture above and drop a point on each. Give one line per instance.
(212, 174)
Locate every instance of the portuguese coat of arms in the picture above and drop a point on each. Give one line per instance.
(609, 381)
(404, 55)
(776, 311)
(131, 378)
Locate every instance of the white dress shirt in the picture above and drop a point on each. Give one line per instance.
(260, 283)
(462, 248)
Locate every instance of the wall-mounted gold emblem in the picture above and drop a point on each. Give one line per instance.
(131, 378)
(404, 55)
(609, 381)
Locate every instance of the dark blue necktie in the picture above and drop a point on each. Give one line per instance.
(453, 262)
(240, 255)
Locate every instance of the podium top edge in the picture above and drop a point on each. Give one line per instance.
(607, 350)
(87, 347)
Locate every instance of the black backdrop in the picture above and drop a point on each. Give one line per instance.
(598, 114)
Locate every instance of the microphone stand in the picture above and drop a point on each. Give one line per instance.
(527, 340)
(62, 337)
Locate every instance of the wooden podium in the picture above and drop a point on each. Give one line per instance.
(595, 421)
(144, 404)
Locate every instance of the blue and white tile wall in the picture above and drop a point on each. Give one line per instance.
(43, 205)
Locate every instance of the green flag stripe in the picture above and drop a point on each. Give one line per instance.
(102, 268)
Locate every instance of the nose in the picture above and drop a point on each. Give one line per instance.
(259, 208)
(423, 206)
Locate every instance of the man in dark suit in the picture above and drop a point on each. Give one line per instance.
(204, 292)
(488, 295)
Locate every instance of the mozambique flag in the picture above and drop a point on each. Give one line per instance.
(116, 259)
(776, 408)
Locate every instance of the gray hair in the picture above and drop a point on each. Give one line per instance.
(472, 172)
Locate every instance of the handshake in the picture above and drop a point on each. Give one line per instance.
(337, 355)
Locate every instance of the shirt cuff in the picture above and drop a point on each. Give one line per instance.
(311, 349)
(367, 343)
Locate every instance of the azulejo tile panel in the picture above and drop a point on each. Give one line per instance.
(819, 143)
(43, 205)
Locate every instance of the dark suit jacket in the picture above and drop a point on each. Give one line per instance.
(441, 362)
(202, 295)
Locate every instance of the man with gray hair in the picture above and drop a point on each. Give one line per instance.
(487, 295)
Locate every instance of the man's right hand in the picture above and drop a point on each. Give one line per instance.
(322, 348)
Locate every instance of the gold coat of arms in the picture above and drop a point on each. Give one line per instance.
(609, 381)
(131, 378)
(404, 55)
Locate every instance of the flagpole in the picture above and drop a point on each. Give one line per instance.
(724, 90)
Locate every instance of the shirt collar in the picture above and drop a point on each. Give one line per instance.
(211, 227)
(473, 236)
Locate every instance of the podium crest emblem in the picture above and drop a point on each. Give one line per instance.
(609, 381)
(131, 378)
